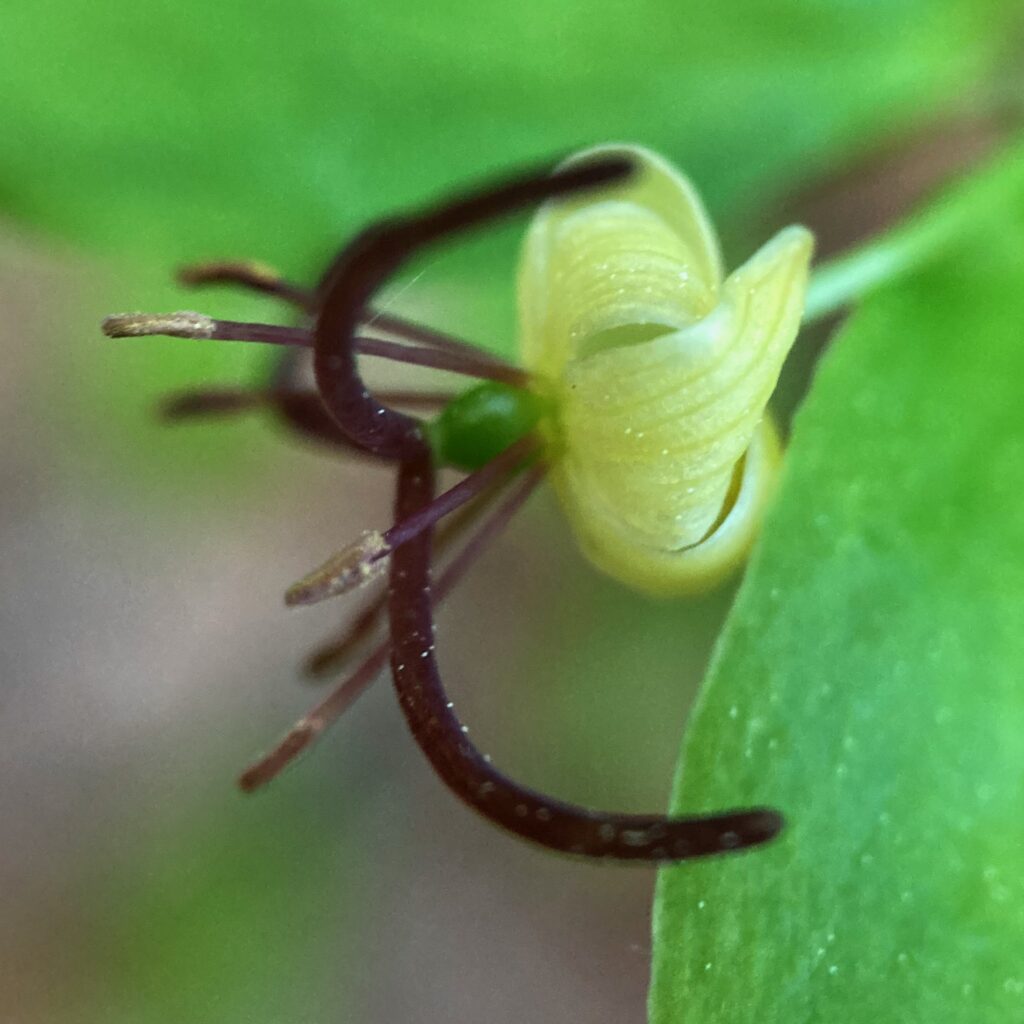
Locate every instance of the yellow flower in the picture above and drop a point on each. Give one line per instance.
(659, 372)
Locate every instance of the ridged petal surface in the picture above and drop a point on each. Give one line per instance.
(587, 264)
(659, 373)
(651, 433)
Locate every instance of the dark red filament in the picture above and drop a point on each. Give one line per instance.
(343, 696)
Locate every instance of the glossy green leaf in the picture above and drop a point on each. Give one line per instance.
(156, 134)
(871, 681)
(165, 132)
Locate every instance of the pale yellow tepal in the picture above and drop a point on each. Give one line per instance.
(659, 373)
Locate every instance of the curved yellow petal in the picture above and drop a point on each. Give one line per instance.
(618, 268)
(614, 549)
(650, 434)
(658, 373)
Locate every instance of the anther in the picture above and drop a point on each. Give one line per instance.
(366, 559)
(362, 561)
(183, 324)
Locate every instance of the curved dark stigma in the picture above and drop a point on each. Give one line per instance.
(377, 253)
(529, 814)
(345, 292)
(304, 412)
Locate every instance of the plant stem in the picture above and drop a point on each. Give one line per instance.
(845, 279)
(926, 236)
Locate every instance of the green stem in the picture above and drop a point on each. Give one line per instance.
(847, 278)
(841, 281)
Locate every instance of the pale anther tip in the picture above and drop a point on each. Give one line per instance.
(181, 324)
(362, 561)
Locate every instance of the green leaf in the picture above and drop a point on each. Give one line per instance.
(159, 133)
(871, 683)
(322, 110)
(165, 132)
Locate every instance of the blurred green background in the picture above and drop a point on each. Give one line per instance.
(146, 656)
